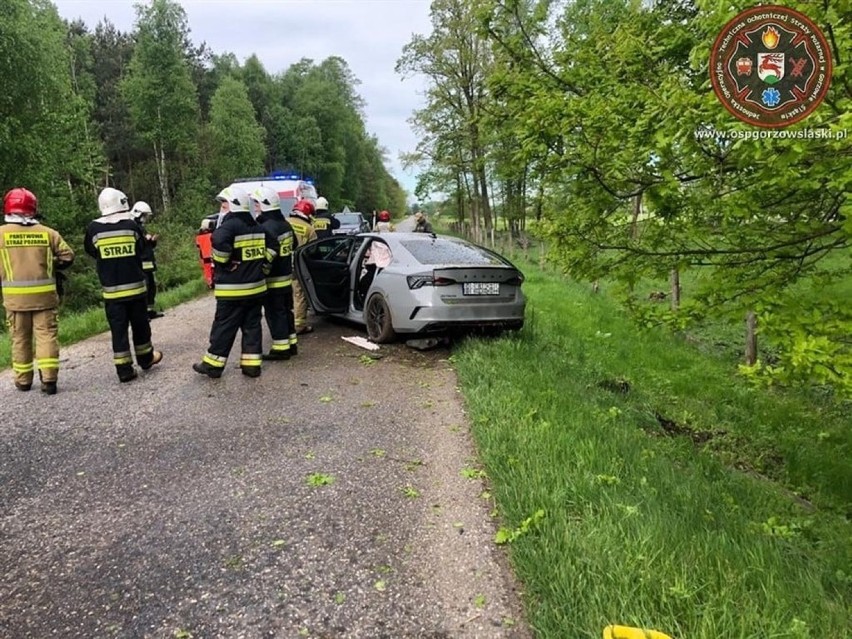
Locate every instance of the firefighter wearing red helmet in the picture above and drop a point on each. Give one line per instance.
(30, 256)
(384, 224)
(300, 220)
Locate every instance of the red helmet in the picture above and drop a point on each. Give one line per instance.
(304, 206)
(20, 201)
(384, 216)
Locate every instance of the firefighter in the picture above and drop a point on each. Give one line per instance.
(324, 223)
(142, 214)
(384, 224)
(29, 253)
(242, 253)
(278, 303)
(117, 243)
(300, 220)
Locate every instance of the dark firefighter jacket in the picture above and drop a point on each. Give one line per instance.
(149, 262)
(281, 272)
(324, 223)
(242, 254)
(116, 242)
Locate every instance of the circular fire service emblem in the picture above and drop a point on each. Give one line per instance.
(770, 66)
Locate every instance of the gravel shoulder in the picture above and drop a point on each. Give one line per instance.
(178, 506)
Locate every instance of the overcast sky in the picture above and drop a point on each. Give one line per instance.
(368, 34)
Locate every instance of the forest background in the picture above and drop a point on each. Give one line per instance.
(169, 122)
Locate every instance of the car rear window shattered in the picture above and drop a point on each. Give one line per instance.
(445, 252)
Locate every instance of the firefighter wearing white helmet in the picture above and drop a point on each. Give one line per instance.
(243, 252)
(117, 243)
(278, 303)
(324, 223)
(142, 214)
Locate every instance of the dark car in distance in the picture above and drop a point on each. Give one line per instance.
(351, 223)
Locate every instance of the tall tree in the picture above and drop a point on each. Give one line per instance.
(236, 138)
(456, 59)
(160, 91)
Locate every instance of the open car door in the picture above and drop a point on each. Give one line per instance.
(324, 270)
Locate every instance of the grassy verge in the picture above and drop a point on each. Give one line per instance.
(74, 327)
(674, 496)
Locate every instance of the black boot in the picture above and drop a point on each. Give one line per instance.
(205, 369)
(126, 373)
(251, 371)
(48, 388)
(276, 355)
(156, 358)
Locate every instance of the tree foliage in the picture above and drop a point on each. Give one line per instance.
(169, 122)
(610, 105)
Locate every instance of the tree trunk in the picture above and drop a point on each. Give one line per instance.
(634, 219)
(675, 285)
(751, 338)
(162, 176)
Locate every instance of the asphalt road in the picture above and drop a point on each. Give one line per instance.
(324, 499)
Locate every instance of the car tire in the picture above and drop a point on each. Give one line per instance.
(378, 319)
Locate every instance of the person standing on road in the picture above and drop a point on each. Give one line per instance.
(142, 214)
(300, 220)
(423, 225)
(384, 224)
(117, 243)
(243, 252)
(29, 253)
(278, 303)
(324, 223)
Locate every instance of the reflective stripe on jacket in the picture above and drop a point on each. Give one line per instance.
(281, 273)
(303, 229)
(28, 253)
(116, 243)
(242, 253)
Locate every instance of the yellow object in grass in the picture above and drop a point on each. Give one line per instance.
(625, 632)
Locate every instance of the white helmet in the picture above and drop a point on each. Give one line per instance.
(237, 199)
(112, 201)
(322, 204)
(267, 198)
(140, 209)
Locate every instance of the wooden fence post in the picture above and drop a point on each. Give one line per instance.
(675, 282)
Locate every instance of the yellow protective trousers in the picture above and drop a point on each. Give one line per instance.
(300, 306)
(44, 327)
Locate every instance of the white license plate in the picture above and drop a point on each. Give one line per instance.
(481, 288)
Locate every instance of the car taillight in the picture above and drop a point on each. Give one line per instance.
(426, 279)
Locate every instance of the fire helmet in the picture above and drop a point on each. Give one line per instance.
(304, 206)
(21, 202)
(237, 199)
(267, 198)
(322, 204)
(112, 201)
(141, 209)
(384, 216)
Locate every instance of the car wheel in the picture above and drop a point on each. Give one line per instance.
(378, 319)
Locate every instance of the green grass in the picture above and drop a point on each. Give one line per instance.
(74, 327)
(735, 527)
